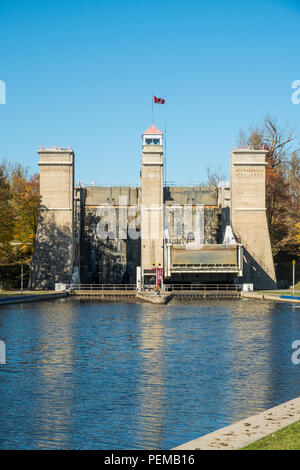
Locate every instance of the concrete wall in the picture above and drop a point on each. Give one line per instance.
(99, 195)
(114, 259)
(110, 258)
(204, 224)
(201, 195)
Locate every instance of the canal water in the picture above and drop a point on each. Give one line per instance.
(87, 375)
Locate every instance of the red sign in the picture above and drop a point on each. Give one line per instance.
(159, 275)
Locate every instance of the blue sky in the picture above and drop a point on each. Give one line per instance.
(82, 73)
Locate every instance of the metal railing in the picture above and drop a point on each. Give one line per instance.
(95, 184)
(103, 287)
(203, 287)
(167, 287)
(252, 147)
(189, 184)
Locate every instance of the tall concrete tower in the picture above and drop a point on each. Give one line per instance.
(152, 251)
(248, 215)
(54, 247)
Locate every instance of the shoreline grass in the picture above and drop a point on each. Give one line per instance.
(18, 293)
(289, 293)
(287, 438)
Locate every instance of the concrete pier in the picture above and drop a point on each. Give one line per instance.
(154, 298)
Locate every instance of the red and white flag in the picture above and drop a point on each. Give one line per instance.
(158, 100)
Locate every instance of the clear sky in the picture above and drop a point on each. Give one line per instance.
(82, 73)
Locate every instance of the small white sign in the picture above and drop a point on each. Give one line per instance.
(2, 352)
(138, 278)
(60, 287)
(248, 287)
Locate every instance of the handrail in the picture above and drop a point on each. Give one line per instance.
(252, 147)
(203, 287)
(115, 287)
(167, 287)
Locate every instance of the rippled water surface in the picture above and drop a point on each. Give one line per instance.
(88, 375)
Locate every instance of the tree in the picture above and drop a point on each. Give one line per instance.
(215, 176)
(277, 202)
(25, 202)
(6, 216)
(279, 141)
(19, 212)
(282, 181)
(298, 237)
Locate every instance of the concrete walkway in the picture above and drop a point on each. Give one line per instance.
(248, 430)
(264, 296)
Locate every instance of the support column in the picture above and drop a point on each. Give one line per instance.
(152, 202)
(54, 244)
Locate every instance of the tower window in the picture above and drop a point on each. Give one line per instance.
(152, 141)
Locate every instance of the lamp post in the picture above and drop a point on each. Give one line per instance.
(294, 264)
(22, 278)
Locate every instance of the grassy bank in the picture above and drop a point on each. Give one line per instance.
(18, 293)
(287, 438)
(279, 292)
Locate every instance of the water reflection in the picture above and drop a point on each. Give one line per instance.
(151, 385)
(55, 366)
(250, 373)
(88, 375)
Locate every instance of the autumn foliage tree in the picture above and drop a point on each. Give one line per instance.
(19, 212)
(282, 183)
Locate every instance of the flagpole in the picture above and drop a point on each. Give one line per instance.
(152, 108)
(165, 152)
